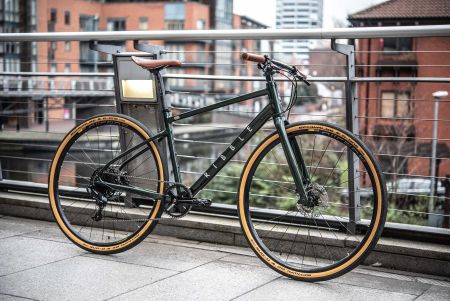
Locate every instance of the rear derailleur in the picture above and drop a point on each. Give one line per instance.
(102, 194)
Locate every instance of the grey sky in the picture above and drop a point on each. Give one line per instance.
(334, 10)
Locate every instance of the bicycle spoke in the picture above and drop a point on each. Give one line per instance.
(119, 218)
(301, 237)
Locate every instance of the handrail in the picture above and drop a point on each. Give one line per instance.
(65, 74)
(233, 34)
(238, 78)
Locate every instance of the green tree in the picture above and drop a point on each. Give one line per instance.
(306, 94)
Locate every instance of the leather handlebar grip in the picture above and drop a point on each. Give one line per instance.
(257, 58)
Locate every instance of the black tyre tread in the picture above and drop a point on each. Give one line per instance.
(160, 211)
(383, 207)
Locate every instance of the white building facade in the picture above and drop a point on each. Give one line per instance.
(298, 14)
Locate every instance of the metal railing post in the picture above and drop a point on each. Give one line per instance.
(46, 120)
(351, 122)
(446, 221)
(74, 111)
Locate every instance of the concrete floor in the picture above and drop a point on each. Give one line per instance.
(38, 263)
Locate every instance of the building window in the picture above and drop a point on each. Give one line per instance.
(201, 24)
(53, 15)
(174, 11)
(175, 51)
(396, 44)
(67, 68)
(88, 23)
(143, 23)
(67, 17)
(395, 104)
(174, 25)
(174, 16)
(53, 67)
(178, 82)
(116, 24)
(67, 46)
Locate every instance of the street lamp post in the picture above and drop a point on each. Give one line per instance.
(436, 95)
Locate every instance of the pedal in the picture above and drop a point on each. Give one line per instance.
(201, 203)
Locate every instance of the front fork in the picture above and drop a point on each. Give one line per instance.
(290, 146)
(294, 159)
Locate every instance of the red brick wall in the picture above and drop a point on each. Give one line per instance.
(422, 104)
(131, 11)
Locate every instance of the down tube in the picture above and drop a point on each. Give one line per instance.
(232, 149)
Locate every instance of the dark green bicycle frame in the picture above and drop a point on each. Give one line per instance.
(272, 110)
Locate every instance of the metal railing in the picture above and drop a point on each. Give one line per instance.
(347, 112)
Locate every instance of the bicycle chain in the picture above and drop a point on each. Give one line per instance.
(153, 180)
(144, 178)
(131, 220)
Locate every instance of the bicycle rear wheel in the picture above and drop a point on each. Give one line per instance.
(323, 240)
(103, 219)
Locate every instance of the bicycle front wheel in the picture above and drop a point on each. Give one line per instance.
(342, 222)
(103, 219)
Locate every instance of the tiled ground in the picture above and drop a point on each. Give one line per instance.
(38, 263)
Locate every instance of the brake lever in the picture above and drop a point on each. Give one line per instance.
(300, 76)
(303, 79)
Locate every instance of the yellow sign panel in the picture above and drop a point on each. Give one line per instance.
(137, 88)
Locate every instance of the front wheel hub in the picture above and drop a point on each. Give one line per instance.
(316, 196)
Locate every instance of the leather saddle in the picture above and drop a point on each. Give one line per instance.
(155, 64)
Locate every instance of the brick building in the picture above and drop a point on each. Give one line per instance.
(115, 15)
(404, 109)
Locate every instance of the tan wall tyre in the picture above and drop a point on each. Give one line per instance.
(102, 219)
(315, 242)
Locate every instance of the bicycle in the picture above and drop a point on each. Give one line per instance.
(108, 185)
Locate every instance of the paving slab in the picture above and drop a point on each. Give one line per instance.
(172, 257)
(12, 298)
(50, 233)
(244, 259)
(388, 284)
(397, 254)
(213, 281)
(44, 265)
(240, 250)
(10, 227)
(19, 253)
(283, 289)
(436, 293)
(432, 281)
(80, 278)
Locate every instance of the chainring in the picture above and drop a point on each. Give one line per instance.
(176, 193)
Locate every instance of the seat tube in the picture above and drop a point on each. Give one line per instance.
(169, 130)
(279, 122)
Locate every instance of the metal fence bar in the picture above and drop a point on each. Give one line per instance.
(238, 78)
(234, 34)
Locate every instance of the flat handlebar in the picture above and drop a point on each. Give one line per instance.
(258, 58)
